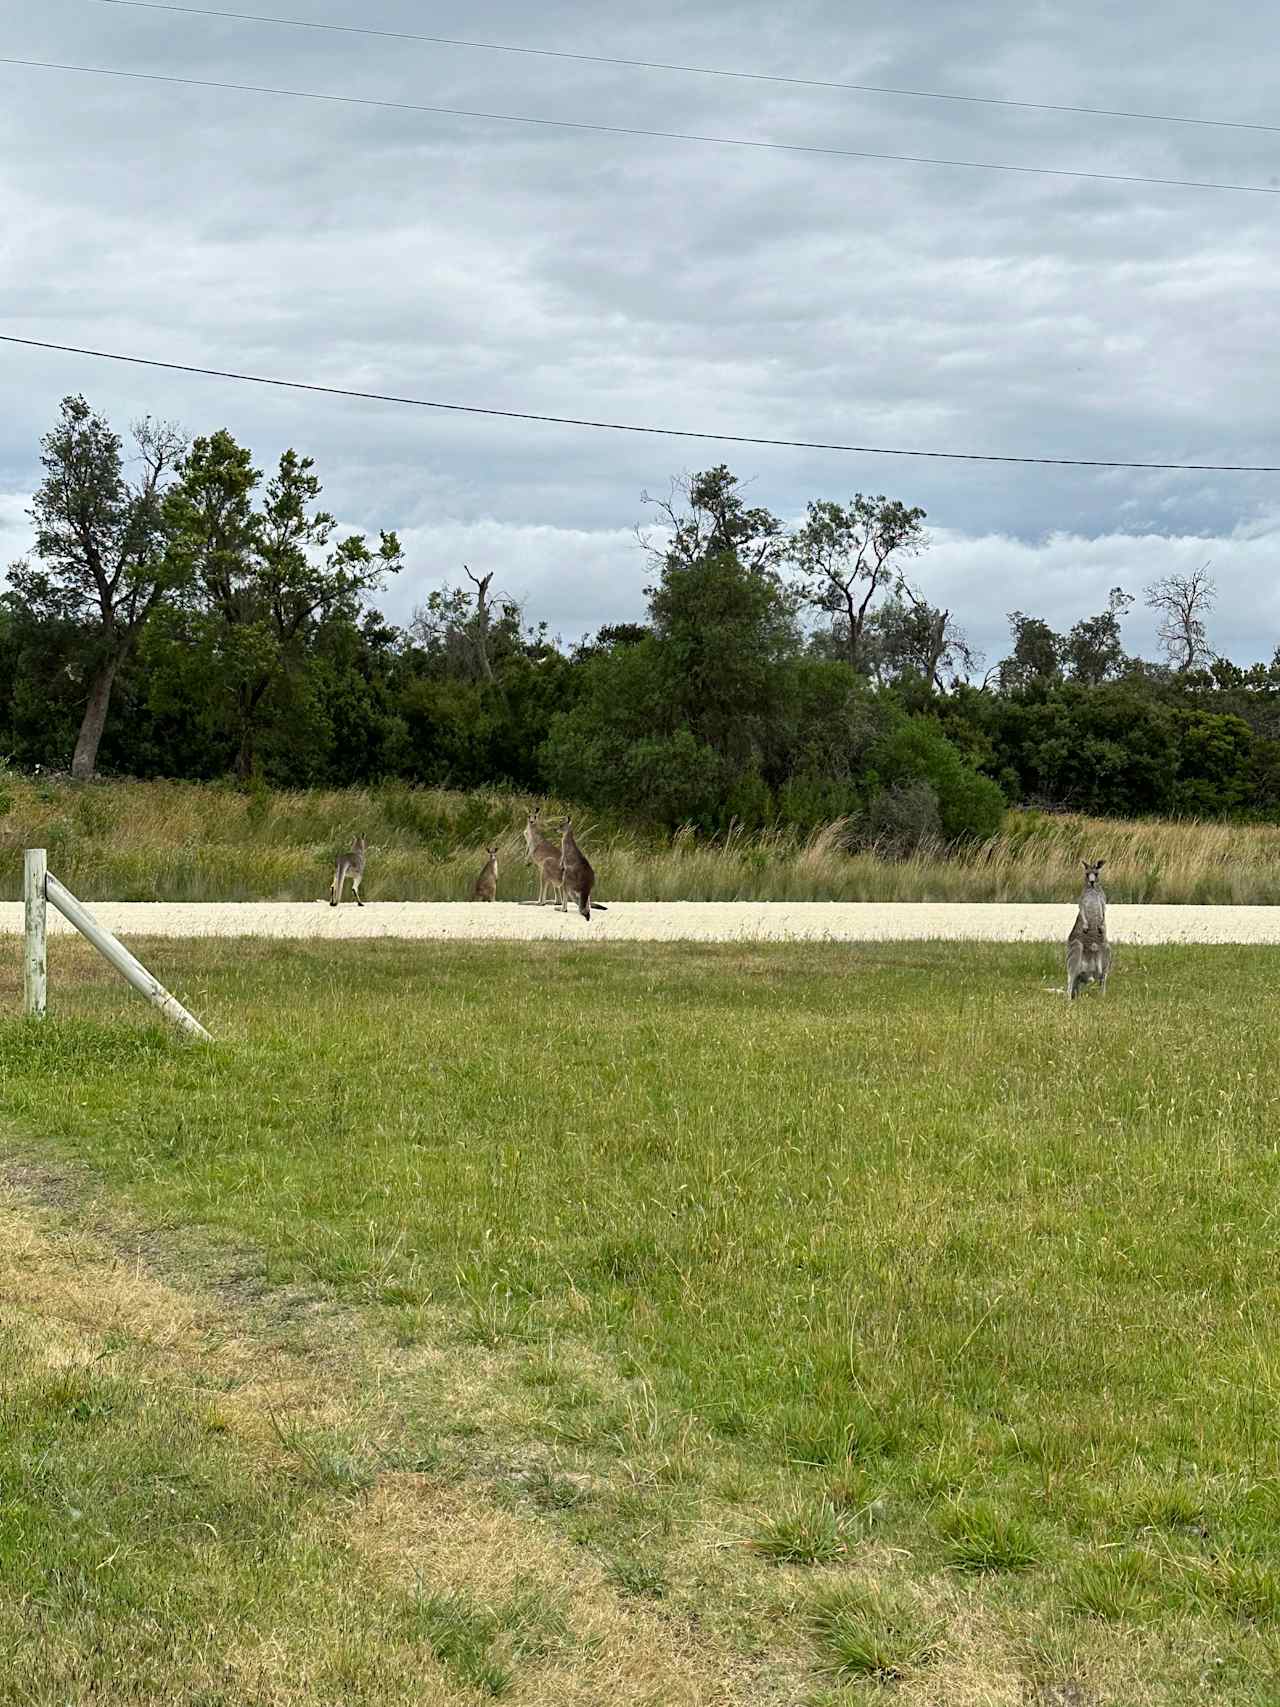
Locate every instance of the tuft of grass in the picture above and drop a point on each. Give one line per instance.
(480, 1644)
(865, 1633)
(807, 1535)
(551, 1491)
(835, 1436)
(461, 1636)
(637, 1579)
(1173, 1506)
(328, 1462)
(1125, 1584)
(1248, 1589)
(982, 1537)
(492, 1316)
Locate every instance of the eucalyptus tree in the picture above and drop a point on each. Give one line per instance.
(101, 549)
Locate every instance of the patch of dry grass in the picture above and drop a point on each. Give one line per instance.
(186, 841)
(153, 1391)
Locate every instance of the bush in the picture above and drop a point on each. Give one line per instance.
(749, 802)
(903, 817)
(808, 801)
(969, 805)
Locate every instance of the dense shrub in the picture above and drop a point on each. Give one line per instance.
(904, 817)
(969, 804)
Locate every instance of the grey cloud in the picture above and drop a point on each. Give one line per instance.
(657, 282)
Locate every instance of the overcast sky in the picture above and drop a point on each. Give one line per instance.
(672, 283)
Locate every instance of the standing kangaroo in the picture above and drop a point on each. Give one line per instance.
(350, 865)
(544, 854)
(486, 885)
(1088, 952)
(576, 874)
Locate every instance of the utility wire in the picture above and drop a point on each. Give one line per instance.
(625, 427)
(694, 70)
(635, 130)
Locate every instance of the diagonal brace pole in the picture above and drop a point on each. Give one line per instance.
(118, 955)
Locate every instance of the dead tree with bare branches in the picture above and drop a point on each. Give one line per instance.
(1183, 602)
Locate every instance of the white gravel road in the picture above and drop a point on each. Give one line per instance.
(668, 921)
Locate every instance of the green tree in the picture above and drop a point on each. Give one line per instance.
(1036, 659)
(707, 515)
(1215, 765)
(907, 636)
(470, 635)
(847, 555)
(100, 541)
(671, 720)
(720, 617)
(265, 579)
(1093, 651)
(619, 747)
(721, 629)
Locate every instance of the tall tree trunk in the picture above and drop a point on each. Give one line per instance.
(85, 758)
(244, 757)
(250, 697)
(481, 584)
(937, 646)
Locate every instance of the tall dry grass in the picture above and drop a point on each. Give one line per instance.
(192, 842)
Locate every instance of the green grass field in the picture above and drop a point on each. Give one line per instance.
(682, 1324)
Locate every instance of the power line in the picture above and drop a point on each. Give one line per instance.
(636, 130)
(693, 70)
(625, 427)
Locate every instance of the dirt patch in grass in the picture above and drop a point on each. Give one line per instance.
(446, 1580)
(418, 1528)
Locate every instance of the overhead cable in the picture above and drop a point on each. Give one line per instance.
(692, 70)
(640, 131)
(628, 427)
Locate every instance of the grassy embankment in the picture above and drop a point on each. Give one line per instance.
(703, 1324)
(185, 842)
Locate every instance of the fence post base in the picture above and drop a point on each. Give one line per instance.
(35, 965)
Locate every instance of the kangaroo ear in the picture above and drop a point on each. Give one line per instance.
(1100, 865)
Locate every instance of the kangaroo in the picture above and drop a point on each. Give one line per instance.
(486, 885)
(1088, 952)
(348, 865)
(576, 874)
(544, 854)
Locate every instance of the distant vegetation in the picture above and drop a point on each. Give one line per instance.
(185, 617)
(157, 841)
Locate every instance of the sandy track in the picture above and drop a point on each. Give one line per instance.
(669, 921)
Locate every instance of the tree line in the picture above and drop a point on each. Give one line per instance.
(184, 614)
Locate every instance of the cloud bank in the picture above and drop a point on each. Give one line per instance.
(656, 282)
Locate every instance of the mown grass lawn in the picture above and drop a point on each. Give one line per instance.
(869, 1305)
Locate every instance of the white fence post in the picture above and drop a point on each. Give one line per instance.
(35, 962)
(125, 964)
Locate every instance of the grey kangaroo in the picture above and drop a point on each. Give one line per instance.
(350, 865)
(576, 874)
(544, 854)
(485, 887)
(1088, 952)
